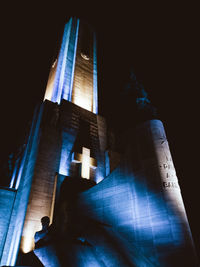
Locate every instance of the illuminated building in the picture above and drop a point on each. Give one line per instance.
(107, 208)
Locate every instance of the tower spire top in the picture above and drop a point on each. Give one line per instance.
(73, 75)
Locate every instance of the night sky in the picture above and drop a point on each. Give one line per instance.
(158, 41)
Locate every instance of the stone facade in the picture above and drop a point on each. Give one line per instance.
(60, 131)
(127, 212)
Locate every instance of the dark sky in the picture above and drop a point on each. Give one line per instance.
(158, 40)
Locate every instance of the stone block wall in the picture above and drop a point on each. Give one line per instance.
(82, 92)
(141, 206)
(13, 237)
(7, 197)
(43, 184)
(71, 117)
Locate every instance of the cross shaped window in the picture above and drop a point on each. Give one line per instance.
(86, 162)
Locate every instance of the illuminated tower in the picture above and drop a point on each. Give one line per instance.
(72, 92)
(122, 207)
(67, 138)
(73, 75)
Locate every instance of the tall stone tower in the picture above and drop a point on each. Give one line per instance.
(67, 138)
(106, 207)
(73, 76)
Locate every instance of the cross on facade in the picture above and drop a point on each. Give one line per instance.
(86, 162)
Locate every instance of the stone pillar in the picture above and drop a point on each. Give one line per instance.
(43, 188)
(161, 179)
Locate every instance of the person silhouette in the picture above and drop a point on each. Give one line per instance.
(45, 248)
(42, 236)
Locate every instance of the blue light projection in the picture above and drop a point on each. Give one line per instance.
(98, 178)
(68, 139)
(138, 213)
(95, 98)
(21, 166)
(12, 182)
(69, 76)
(23, 185)
(60, 71)
(61, 86)
(63, 82)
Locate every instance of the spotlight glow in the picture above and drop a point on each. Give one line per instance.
(27, 243)
(83, 101)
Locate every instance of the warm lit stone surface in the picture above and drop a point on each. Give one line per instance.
(73, 75)
(42, 189)
(59, 123)
(82, 93)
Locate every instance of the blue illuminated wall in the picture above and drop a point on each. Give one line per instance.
(95, 91)
(70, 117)
(7, 197)
(62, 87)
(65, 82)
(48, 150)
(140, 204)
(137, 210)
(135, 216)
(24, 180)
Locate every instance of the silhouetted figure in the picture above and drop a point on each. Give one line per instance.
(45, 245)
(43, 236)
